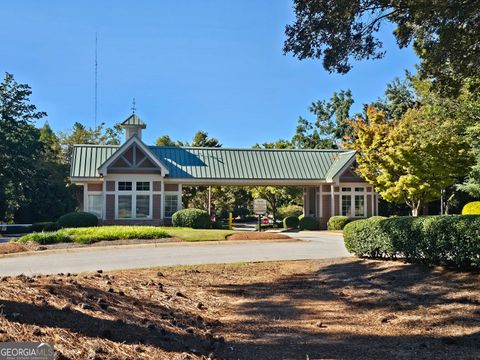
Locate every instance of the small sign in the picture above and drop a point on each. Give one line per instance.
(260, 206)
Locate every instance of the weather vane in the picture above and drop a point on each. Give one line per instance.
(133, 106)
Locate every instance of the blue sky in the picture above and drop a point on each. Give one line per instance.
(211, 65)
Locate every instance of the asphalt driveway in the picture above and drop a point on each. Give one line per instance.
(313, 245)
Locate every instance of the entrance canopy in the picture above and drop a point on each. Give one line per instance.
(222, 166)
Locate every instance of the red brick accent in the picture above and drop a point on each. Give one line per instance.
(110, 207)
(157, 201)
(336, 189)
(94, 187)
(337, 204)
(110, 185)
(369, 189)
(157, 186)
(326, 188)
(171, 187)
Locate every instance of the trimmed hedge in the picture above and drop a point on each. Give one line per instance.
(432, 240)
(291, 222)
(471, 208)
(77, 220)
(307, 223)
(192, 218)
(338, 222)
(15, 229)
(45, 226)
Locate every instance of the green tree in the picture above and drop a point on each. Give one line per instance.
(444, 35)
(80, 134)
(331, 123)
(277, 196)
(201, 139)
(49, 194)
(411, 160)
(19, 145)
(165, 140)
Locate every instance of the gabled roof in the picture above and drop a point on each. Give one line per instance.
(134, 120)
(86, 159)
(343, 161)
(190, 163)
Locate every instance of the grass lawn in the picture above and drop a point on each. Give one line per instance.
(102, 233)
(326, 309)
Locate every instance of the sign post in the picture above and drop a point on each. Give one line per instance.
(260, 208)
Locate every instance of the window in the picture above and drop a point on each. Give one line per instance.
(125, 186)
(95, 205)
(143, 186)
(347, 205)
(359, 189)
(171, 205)
(143, 206)
(346, 189)
(359, 205)
(125, 206)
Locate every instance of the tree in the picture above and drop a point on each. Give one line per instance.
(201, 139)
(279, 144)
(165, 140)
(49, 195)
(277, 196)
(19, 145)
(80, 134)
(330, 126)
(413, 159)
(444, 34)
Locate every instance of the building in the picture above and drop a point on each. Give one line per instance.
(139, 184)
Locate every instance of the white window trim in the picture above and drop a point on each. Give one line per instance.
(133, 193)
(352, 195)
(86, 205)
(179, 201)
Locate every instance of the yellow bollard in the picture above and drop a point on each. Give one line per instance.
(230, 221)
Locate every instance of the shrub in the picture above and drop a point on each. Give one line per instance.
(307, 223)
(77, 219)
(45, 226)
(472, 208)
(192, 218)
(290, 210)
(338, 222)
(16, 229)
(433, 240)
(290, 222)
(46, 237)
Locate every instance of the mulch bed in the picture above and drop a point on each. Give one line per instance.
(11, 248)
(254, 235)
(344, 308)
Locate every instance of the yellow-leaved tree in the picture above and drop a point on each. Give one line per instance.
(412, 159)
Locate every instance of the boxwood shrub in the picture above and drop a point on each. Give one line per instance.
(192, 218)
(471, 208)
(291, 222)
(77, 219)
(432, 240)
(45, 226)
(307, 223)
(338, 222)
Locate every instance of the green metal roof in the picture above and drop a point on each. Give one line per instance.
(86, 159)
(225, 163)
(134, 120)
(255, 164)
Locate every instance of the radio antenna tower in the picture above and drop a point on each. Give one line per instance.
(96, 71)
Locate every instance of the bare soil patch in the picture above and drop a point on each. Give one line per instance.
(10, 248)
(344, 309)
(254, 235)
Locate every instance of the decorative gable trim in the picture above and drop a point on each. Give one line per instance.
(118, 156)
(335, 178)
